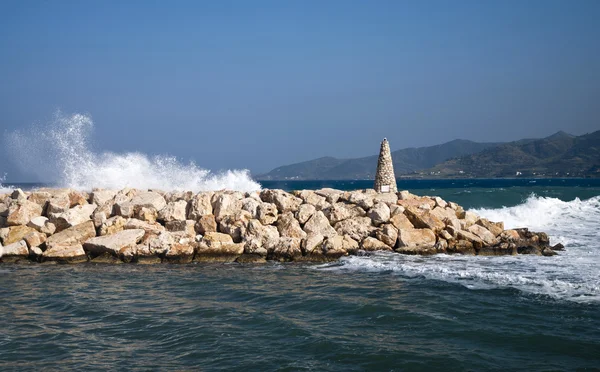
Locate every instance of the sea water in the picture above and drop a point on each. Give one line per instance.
(379, 312)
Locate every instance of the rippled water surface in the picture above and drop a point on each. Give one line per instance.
(384, 312)
(280, 317)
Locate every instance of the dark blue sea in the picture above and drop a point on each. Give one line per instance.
(385, 312)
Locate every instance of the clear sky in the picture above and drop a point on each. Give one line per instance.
(258, 84)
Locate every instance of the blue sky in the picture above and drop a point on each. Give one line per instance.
(258, 84)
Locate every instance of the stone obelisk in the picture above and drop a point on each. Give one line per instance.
(385, 180)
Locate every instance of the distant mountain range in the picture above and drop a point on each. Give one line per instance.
(559, 155)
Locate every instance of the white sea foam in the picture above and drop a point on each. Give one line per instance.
(61, 152)
(572, 275)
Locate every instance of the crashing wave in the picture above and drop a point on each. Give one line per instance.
(572, 275)
(61, 153)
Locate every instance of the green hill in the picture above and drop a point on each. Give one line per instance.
(560, 154)
(405, 161)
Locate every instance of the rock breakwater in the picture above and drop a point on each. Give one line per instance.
(151, 226)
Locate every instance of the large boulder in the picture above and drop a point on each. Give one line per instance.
(312, 244)
(173, 196)
(319, 224)
(362, 198)
(388, 234)
(284, 201)
(73, 235)
(235, 225)
(22, 211)
(35, 239)
(73, 253)
(305, 212)
(423, 219)
(174, 211)
(250, 205)
(330, 195)
(180, 252)
(206, 223)
(113, 244)
(388, 198)
(147, 214)
(289, 227)
(187, 227)
(401, 222)
(496, 228)
(200, 205)
(416, 241)
(218, 247)
(42, 224)
(149, 199)
(226, 204)
(41, 198)
(15, 252)
(74, 216)
(421, 202)
(356, 228)
(16, 233)
(312, 198)
(476, 241)
(461, 246)
(342, 211)
(287, 249)
(379, 214)
(334, 247)
(372, 244)
(260, 239)
(150, 228)
(112, 225)
(267, 213)
(144, 199)
(101, 196)
(483, 233)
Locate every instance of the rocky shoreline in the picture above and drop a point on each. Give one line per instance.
(151, 226)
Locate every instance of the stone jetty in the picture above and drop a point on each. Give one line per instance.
(152, 226)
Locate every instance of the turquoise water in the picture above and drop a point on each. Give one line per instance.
(384, 312)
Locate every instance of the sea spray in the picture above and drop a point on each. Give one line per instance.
(61, 152)
(572, 275)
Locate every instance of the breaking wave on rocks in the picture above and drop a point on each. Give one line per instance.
(572, 275)
(61, 152)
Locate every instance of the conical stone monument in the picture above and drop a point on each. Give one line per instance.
(385, 180)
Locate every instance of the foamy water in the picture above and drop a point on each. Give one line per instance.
(572, 275)
(61, 151)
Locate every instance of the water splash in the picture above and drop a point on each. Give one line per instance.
(572, 275)
(60, 152)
